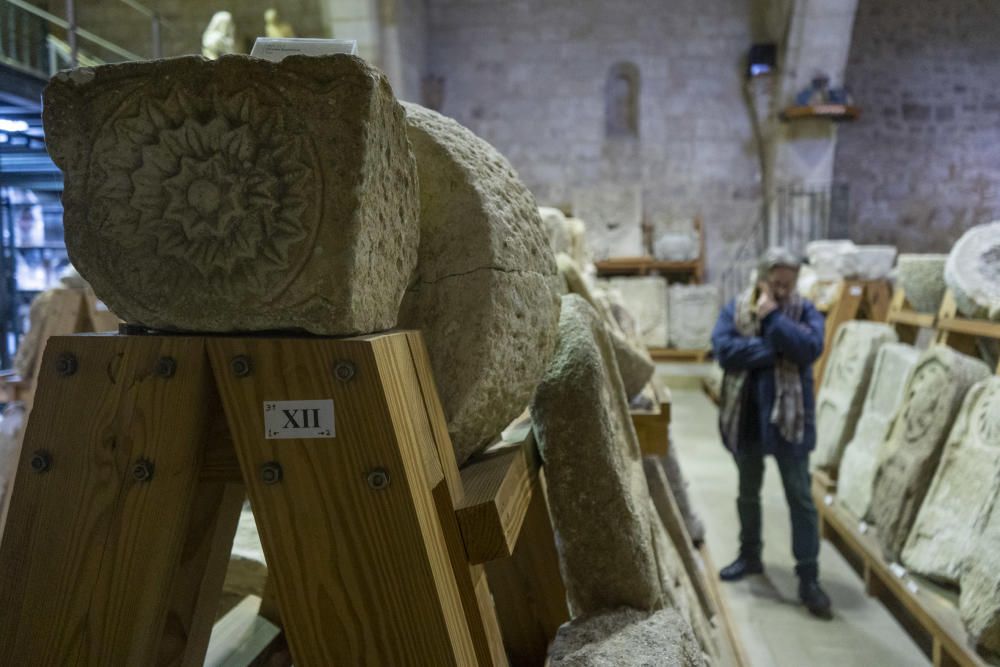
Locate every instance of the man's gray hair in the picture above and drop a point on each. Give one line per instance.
(777, 256)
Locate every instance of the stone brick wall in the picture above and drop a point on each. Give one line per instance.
(923, 162)
(530, 76)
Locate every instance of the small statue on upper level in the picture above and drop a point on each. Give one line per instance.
(219, 37)
(275, 27)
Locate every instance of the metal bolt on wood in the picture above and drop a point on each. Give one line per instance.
(166, 367)
(241, 366)
(142, 470)
(40, 461)
(344, 371)
(378, 479)
(66, 364)
(271, 472)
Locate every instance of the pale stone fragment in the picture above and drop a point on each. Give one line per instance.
(964, 488)
(922, 279)
(858, 465)
(634, 363)
(237, 194)
(579, 246)
(485, 292)
(693, 310)
(647, 299)
(596, 486)
(973, 271)
(677, 246)
(557, 229)
(845, 382)
(247, 571)
(979, 602)
(626, 637)
(870, 262)
(826, 257)
(913, 447)
(613, 216)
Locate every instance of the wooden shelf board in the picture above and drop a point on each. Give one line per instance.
(983, 328)
(641, 265)
(912, 318)
(498, 489)
(670, 354)
(933, 622)
(827, 111)
(652, 429)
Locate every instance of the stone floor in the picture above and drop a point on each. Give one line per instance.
(776, 631)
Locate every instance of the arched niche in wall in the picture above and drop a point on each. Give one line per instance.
(621, 101)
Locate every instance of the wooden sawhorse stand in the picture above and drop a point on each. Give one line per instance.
(137, 459)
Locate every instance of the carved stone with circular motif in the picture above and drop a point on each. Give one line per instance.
(238, 194)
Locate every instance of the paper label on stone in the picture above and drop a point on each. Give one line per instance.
(277, 49)
(288, 420)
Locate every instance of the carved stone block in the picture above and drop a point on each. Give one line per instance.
(965, 487)
(913, 447)
(237, 194)
(973, 271)
(841, 395)
(613, 216)
(893, 365)
(693, 310)
(647, 299)
(557, 229)
(485, 292)
(922, 278)
(597, 490)
(979, 602)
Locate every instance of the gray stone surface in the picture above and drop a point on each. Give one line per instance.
(922, 278)
(979, 602)
(913, 447)
(634, 363)
(860, 459)
(973, 272)
(485, 292)
(845, 382)
(647, 299)
(557, 229)
(692, 312)
(237, 194)
(626, 637)
(613, 216)
(965, 487)
(597, 490)
(579, 246)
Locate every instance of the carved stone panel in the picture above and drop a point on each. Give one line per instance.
(965, 487)
(237, 194)
(973, 271)
(913, 447)
(859, 462)
(979, 603)
(693, 311)
(647, 300)
(845, 382)
(613, 216)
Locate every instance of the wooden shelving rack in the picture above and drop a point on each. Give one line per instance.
(855, 300)
(692, 271)
(834, 112)
(930, 618)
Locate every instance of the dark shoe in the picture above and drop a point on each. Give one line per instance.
(740, 568)
(815, 600)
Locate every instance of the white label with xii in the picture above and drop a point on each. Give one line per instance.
(285, 420)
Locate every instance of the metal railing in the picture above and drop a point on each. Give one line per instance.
(795, 215)
(40, 42)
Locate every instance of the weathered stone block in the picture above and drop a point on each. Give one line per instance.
(557, 229)
(613, 216)
(634, 363)
(913, 447)
(845, 382)
(965, 487)
(626, 637)
(485, 292)
(237, 194)
(979, 602)
(973, 271)
(692, 311)
(922, 279)
(596, 486)
(893, 365)
(647, 299)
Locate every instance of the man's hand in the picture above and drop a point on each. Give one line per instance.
(765, 303)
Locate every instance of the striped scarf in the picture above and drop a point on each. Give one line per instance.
(788, 412)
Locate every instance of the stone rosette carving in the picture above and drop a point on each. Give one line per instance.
(238, 194)
(973, 271)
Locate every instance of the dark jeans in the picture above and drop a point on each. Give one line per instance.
(805, 524)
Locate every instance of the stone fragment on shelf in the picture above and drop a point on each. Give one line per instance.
(979, 603)
(922, 278)
(557, 229)
(237, 194)
(647, 299)
(893, 365)
(912, 449)
(845, 383)
(486, 289)
(612, 214)
(692, 310)
(973, 272)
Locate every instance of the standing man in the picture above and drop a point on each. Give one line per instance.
(766, 340)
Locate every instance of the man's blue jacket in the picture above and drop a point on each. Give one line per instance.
(799, 342)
